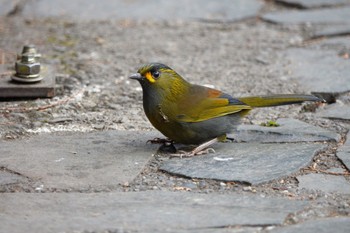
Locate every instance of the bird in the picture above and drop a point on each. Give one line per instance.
(193, 114)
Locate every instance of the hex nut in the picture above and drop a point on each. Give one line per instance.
(28, 66)
(27, 70)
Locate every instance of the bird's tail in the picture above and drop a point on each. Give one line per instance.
(276, 100)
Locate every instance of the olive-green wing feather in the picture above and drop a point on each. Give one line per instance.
(204, 103)
(217, 104)
(276, 100)
(213, 111)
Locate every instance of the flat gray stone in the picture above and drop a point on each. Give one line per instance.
(336, 43)
(318, 16)
(321, 71)
(323, 225)
(151, 211)
(336, 170)
(6, 6)
(314, 3)
(236, 229)
(332, 30)
(325, 183)
(79, 160)
(343, 153)
(335, 111)
(245, 162)
(224, 10)
(289, 130)
(10, 178)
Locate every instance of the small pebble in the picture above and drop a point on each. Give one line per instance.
(247, 188)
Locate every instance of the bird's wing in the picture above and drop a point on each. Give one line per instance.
(204, 103)
(276, 100)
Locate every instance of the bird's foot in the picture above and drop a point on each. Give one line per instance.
(199, 150)
(194, 152)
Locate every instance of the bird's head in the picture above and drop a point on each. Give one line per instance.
(157, 75)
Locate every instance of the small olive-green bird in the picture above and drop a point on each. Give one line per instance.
(193, 114)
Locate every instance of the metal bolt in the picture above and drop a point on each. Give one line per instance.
(28, 66)
(28, 58)
(30, 49)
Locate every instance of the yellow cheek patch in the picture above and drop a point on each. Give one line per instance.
(149, 77)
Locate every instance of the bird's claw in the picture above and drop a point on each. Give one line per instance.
(206, 151)
(185, 154)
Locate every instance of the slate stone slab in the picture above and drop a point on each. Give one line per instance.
(77, 160)
(331, 16)
(337, 44)
(314, 3)
(332, 30)
(343, 152)
(224, 10)
(138, 212)
(245, 162)
(6, 6)
(289, 130)
(335, 111)
(325, 183)
(10, 178)
(236, 229)
(323, 225)
(321, 71)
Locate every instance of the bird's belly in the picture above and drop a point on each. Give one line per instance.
(199, 132)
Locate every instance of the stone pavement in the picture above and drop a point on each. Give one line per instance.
(289, 178)
(77, 162)
(101, 10)
(153, 211)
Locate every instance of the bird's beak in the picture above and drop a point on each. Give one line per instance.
(136, 76)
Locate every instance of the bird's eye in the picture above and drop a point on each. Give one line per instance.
(155, 74)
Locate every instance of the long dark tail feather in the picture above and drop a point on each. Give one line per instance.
(276, 100)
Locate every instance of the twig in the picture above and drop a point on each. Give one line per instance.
(329, 172)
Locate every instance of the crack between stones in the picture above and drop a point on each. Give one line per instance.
(17, 9)
(290, 135)
(295, 5)
(5, 169)
(315, 37)
(264, 226)
(339, 145)
(246, 183)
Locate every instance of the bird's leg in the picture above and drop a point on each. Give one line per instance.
(204, 147)
(199, 150)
